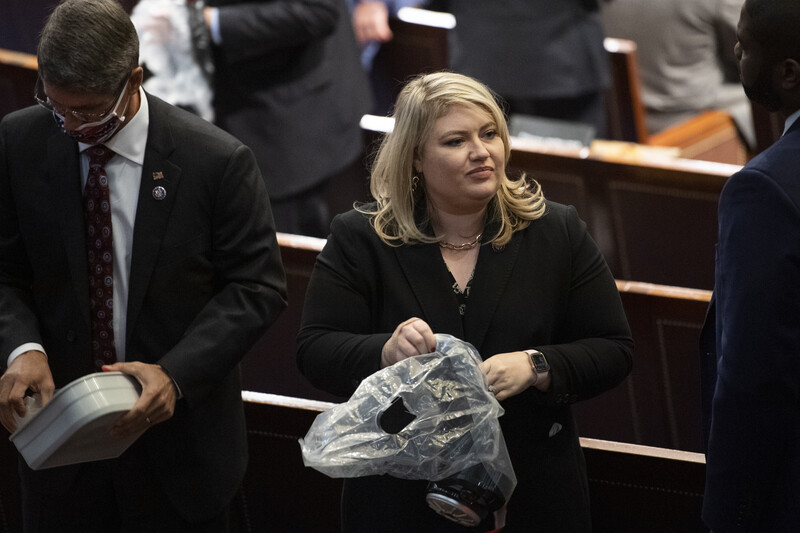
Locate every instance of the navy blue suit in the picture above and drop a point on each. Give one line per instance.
(753, 368)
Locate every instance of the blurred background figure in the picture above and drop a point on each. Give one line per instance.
(174, 49)
(288, 83)
(544, 57)
(370, 20)
(685, 57)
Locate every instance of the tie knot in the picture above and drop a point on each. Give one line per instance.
(99, 155)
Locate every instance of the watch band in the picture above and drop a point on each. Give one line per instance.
(539, 364)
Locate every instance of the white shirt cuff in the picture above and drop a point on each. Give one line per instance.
(22, 349)
(213, 25)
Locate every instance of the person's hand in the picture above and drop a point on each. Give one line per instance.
(371, 22)
(29, 371)
(508, 374)
(410, 338)
(156, 404)
(155, 25)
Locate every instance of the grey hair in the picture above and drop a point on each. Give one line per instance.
(88, 45)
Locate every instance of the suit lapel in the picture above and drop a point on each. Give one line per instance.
(63, 166)
(490, 281)
(157, 192)
(427, 276)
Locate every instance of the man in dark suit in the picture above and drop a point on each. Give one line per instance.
(751, 345)
(289, 84)
(545, 57)
(193, 262)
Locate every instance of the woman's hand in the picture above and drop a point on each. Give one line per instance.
(410, 338)
(508, 374)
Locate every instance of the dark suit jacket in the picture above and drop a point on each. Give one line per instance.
(549, 288)
(289, 84)
(753, 458)
(206, 281)
(529, 49)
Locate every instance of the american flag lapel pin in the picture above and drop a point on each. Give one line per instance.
(158, 175)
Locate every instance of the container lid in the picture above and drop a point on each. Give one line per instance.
(75, 426)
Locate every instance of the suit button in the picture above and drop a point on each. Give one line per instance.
(71, 336)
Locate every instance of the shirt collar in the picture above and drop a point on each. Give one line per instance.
(130, 141)
(790, 120)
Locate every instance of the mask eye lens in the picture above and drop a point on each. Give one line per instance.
(82, 116)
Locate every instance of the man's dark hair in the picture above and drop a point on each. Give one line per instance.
(776, 27)
(88, 45)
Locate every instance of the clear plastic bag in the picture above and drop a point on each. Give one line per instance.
(454, 428)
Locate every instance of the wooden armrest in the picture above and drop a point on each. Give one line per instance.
(711, 136)
(18, 59)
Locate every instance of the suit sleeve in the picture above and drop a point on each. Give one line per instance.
(758, 385)
(597, 349)
(18, 323)
(336, 347)
(249, 290)
(253, 29)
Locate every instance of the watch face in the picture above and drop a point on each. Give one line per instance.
(539, 362)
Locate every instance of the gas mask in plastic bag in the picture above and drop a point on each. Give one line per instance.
(427, 417)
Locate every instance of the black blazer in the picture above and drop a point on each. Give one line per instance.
(289, 84)
(206, 281)
(548, 289)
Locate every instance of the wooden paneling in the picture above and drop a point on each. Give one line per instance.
(659, 403)
(18, 73)
(654, 220)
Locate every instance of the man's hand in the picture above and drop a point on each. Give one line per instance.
(371, 22)
(156, 404)
(29, 371)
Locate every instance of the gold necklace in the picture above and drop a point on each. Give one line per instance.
(464, 246)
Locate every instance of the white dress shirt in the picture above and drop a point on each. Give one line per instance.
(124, 172)
(790, 120)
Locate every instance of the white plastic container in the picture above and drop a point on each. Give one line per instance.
(74, 427)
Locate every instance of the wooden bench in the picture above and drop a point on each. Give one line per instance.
(18, 75)
(655, 220)
(709, 136)
(657, 405)
(270, 366)
(633, 488)
(653, 215)
(420, 45)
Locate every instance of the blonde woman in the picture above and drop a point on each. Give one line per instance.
(454, 245)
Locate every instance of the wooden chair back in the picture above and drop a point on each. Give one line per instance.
(18, 75)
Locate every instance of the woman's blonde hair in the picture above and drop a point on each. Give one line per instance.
(421, 102)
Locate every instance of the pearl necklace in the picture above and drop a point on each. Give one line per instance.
(463, 246)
